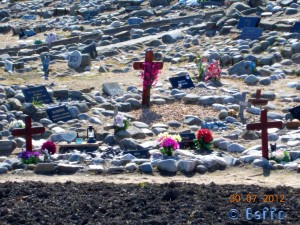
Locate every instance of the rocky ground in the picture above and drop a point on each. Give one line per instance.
(177, 34)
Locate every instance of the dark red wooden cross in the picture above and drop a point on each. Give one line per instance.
(263, 126)
(28, 131)
(141, 66)
(258, 100)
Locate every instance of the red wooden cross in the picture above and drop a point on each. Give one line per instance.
(141, 66)
(28, 131)
(258, 100)
(263, 126)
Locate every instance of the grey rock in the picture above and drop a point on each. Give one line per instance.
(207, 100)
(155, 3)
(191, 99)
(131, 167)
(296, 58)
(135, 104)
(3, 170)
(45, 168)
(187, 166)
(68, 169)
(96, 169)
(235, 148)
(6, 147)
(240, 68)
(146, 168)
(265, 81)
(192, 120)
(201, 169)
(262, 162)
(116, 169)
(74, 111)
(171, 38)
(128, 144)
(168, 165)
(251, 80)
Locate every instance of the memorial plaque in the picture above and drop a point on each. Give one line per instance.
(295, 112)
(296, 27)
(8, 66)
(248, 22)
(75, 60)
(251, 33)
(39, 94)
(112, 89)
(181, 82)
(29, 17)
(60, 113)
(141, 154)
(187, 140)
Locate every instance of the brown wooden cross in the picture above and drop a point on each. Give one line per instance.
(28, 131)
(141, 66)
(258, 100)
(263, 126)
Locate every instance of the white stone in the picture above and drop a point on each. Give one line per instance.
(9, 66)
(2, 158)
(75, 59)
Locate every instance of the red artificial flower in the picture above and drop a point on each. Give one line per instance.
(50, 146)
(205, 135)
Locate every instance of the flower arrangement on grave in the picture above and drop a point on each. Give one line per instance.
(28, 157)
(199, 63)
(120, 122)
(204, 140)
(280, 156)
(49, 146)
(168, 143)
(150, 74)
(233, 113)
(16, 124)
(213, 71)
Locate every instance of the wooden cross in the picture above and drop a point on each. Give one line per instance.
(258, 100)
(28, 131)
(263, 126)
(141, 66)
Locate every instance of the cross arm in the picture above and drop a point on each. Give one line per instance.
(38, 130)
(277, 124)
(254, 126)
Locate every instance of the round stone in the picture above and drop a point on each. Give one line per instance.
(75, 59)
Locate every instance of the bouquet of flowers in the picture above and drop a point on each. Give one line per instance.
(120, 122)
(16, 124)
(168, 143)
(204, 139)
(213, 71)
(280, 156)
(29, 157)
(49, 146)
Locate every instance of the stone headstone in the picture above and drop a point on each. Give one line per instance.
(296, 27)
(51, 37)
(134, 21)
(243, 105)
(8, 66)
(251, 33)
(295, 112)
(39, 94)
(29, 17)
(112, 89)
(75, 60)
(248, 22)
(181, 82)
(187, 140)
(141, 154)
(60, 113)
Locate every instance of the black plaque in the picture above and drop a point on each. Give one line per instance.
(39, 94)
(251, 33)
(112, 89)
(187, 140)
(141, 154)
(248, 22)
(60, 113)
(296, 27)
(182, 82)
(295, 112)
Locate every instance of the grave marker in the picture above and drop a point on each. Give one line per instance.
(263, 126)
(150, 70)
(51, 37)
(248, 21)
(39, 94)
(243, 105)
(29, 17)
(187, 140)
(295, 112)
(258, 100)
(75, 59)
(112, 89)
(251, 33)
(60, 113)
(296, 27)
(8, 66)
(46, 63)
(183, 82)
(28, 131)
